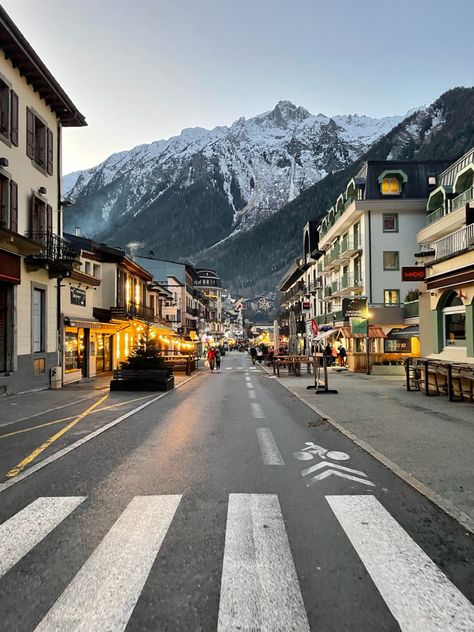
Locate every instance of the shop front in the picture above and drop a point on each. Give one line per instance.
(88, 349)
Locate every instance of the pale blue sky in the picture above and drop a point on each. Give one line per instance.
(141, 70)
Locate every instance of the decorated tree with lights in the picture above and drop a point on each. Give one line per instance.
(145, 354)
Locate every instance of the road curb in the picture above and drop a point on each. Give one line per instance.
(449, 508)
(77, 444)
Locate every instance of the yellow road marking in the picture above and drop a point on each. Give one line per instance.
(58, 421)
(21, 466)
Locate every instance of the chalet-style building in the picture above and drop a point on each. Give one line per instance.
(34, 258)
(446, 249)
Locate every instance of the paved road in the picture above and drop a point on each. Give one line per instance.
(227, 505)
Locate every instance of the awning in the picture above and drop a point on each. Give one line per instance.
(374, 332)
(325, 334)
(407, 332)
(90, 324)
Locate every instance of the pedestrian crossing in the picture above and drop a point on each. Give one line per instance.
(259, 586)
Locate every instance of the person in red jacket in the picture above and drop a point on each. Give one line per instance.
(211, 358)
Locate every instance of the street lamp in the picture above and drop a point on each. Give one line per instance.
(367, 342)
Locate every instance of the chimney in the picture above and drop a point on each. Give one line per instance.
(77, 231)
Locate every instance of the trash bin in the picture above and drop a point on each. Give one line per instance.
(55, 377)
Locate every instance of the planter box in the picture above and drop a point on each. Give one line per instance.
(143, 380)
(382, 369)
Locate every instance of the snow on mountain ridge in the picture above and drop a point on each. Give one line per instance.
(258, 164)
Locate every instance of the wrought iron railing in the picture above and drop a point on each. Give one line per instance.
(55, 249)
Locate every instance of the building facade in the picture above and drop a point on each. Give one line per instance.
(356, 260)
(446, 250)
(209, 284)
(34, 258)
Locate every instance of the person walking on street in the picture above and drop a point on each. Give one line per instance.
(259, 355)
(218, 359)
(328, 353)
(342, 356)
(335, 354)
(253, 354)
(211, 358)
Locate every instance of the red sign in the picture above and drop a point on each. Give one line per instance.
(413, 273)
(306, 306)
(314, 327)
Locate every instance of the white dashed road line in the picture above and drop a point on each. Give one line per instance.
(257, 411)
(268, 447)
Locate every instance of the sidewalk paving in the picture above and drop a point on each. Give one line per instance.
(428, 441)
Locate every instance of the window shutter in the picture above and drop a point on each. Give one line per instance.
(49, 218)
(30, 133)
(14, 118)
(49, 151)
(13, 206)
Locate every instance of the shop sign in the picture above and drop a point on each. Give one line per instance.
(397, 345)
(305, 306)
(354, 308)
(413, 273)
(78, 297)
(359, 326)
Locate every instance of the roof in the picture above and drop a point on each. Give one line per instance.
(292, 274)
(22, 56)
(374, 332)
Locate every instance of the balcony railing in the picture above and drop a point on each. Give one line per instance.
(412, 309)
(55, 249)
(435, 215)
(133, 310)
(297, 290)
(454, 243)
(462, 199)
(329, 319)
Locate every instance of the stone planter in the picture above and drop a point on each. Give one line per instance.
(142, 380)
(383, 369)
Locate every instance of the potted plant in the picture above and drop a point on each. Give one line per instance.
(144, 370)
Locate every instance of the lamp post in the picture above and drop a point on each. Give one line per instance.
(367, 343)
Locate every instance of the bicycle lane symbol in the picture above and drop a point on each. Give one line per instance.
(326, 468)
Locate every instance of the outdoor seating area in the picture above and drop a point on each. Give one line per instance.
(178, 362)
(454, 380)
(292, 363)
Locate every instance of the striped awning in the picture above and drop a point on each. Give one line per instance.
(374, 332)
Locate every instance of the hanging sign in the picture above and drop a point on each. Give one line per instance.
(354, 308)
(78, 297)
(413, 273)
(359, 326)
(314, 327)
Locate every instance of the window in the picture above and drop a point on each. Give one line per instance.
(39, 142)
(8, 204)
(390, 260)
(96, 272)
(390, 223)
(8, 114)
(390, 186)
(431, 181)
(41, 216)
(38, 320)
(391, 297)
(454, 320)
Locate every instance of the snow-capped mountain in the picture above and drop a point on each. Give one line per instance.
(182, 195)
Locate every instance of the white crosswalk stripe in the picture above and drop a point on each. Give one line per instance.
(29, 526)
(104, 592)
(418, 594)
(259, 584)
(259, 587)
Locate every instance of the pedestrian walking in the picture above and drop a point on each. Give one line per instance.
(334, 354)
(211, 358)
(218, 359)
(342, 356)
(253, 354)
(259, 355)
(328, 353)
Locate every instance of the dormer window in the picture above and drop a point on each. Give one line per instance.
(391, 186)
(391, 182)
